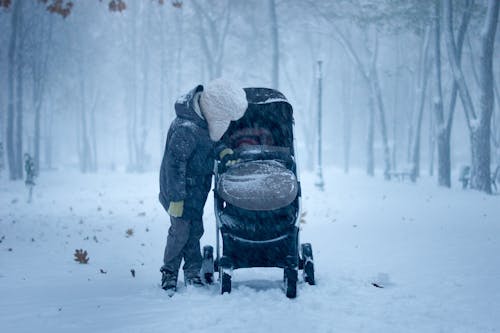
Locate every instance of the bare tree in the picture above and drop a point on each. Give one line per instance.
(423, 75)
(275, 45)
(444, 178)
(85, 120)
(479, 124)
(444, 122)
(370, 76)
(20, 64)
(377, 92)
(138, 82)
(495, 126)
(16, 66)
(347, 114)
(370, 139)
(302, 104)
(83, 140)
(132, 91)
(42, 36)
(213, 29)
(163, 79)
(13, 45)
(142, 158)
(179, 23)
(48, 126)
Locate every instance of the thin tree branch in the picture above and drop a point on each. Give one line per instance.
(455, 65)
(460, 42)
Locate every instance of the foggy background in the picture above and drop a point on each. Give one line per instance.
(100, 83)
(408, 92)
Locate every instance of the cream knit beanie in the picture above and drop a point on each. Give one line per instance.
(221, 102)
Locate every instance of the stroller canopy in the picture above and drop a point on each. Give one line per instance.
(268, 121)
(263, 138)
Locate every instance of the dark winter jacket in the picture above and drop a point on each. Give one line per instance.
(187, 166)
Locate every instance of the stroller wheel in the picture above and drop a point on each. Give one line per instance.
(307, 257)
(225, 282)
(290, 279)
(209, 278)
(207, 265)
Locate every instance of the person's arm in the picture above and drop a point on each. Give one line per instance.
(177, 154)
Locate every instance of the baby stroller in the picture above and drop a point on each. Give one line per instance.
(257, 199)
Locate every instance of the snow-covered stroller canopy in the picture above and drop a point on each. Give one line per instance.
(265, 178)
(267, 121)
(258, 185)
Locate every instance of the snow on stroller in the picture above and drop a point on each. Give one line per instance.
(257, 200)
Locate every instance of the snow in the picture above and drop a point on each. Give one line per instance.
(258, 185)
(434, 251)
(273, 100)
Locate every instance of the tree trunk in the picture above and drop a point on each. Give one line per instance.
(481, 158)
(444, 125)
(319, 181)
(213, 35)
(346, 111)
(132, 105)
(422, 87)
(495, 126)
(48, 137)
(275, 45)
(479, 125)
(36, 138)
(480, 137)
(432, 143)
(141, 154)
(84, 147)
(383, 126)
(370, 155)
(39, 81)
(11, 152)
(371, 81)
(472, 65)
(307, 123)
(455, 65)
(163, 70)
(179, 22)
(444, 163)
(19, 102)
(444, 174)
(395, 119)
(84, 144)
(93, 134)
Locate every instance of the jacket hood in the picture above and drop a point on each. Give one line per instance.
(185, 107)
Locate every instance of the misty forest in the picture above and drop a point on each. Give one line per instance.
(396, 142)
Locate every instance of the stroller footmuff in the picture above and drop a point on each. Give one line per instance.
(257, 201)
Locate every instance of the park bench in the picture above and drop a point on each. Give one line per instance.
(404, 174)
(495, 178)
(400, 175)
(465, 173)
(464, 176)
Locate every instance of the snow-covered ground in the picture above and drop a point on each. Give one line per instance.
(435, 252)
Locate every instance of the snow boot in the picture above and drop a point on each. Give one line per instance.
(193, 281)
(169, 281)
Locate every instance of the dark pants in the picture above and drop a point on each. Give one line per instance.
(183, 241)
